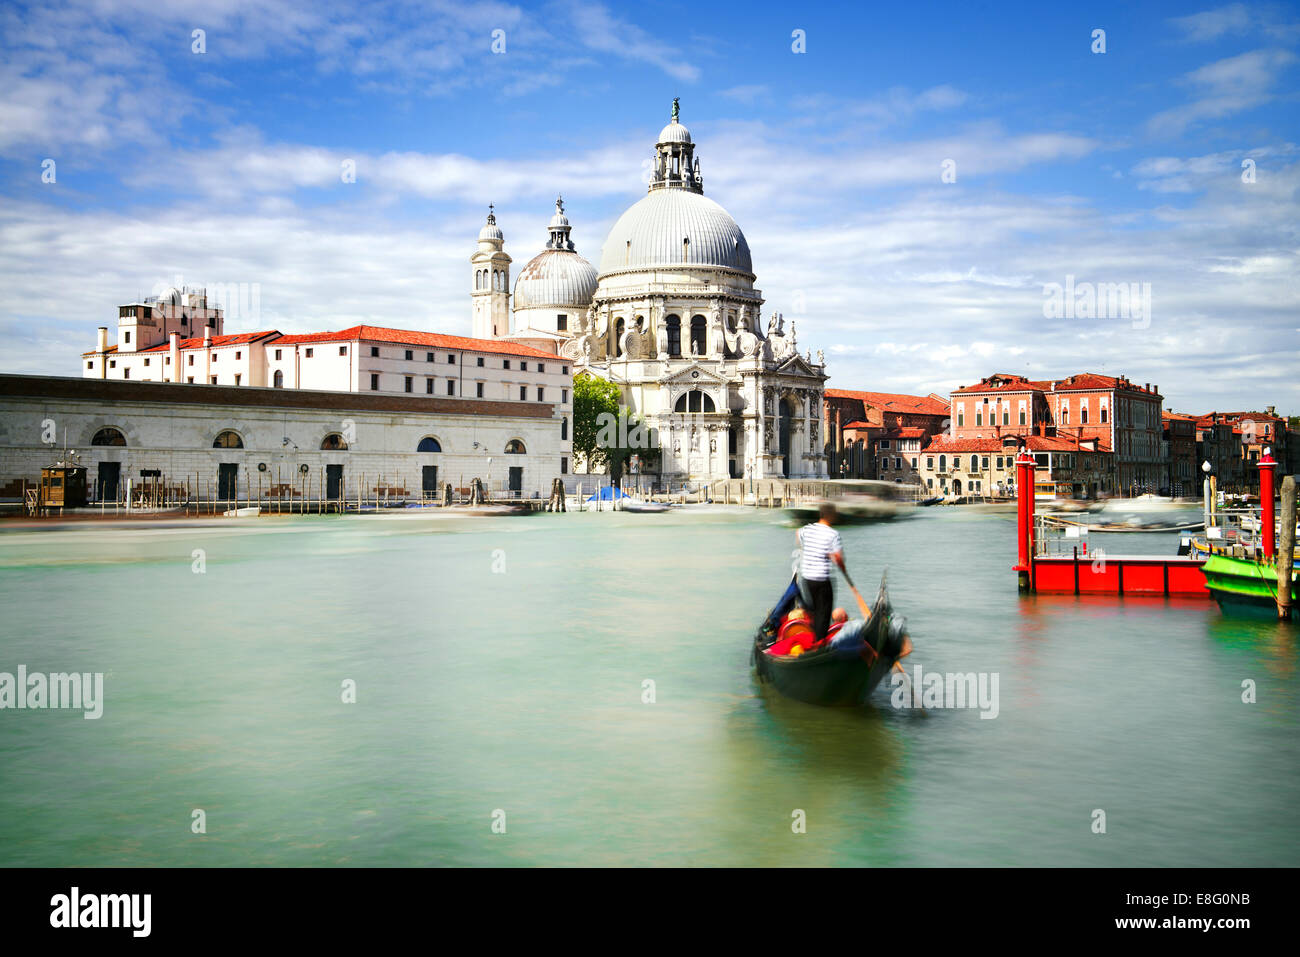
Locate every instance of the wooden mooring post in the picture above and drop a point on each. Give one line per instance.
(1286, 548)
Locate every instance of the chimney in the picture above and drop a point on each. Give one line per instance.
(101, 346)
(207, 337)
(174, 352)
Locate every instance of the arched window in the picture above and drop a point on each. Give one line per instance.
(334, 442)
(1103, 413)
(515, 447)
(974, 463)
(108, 436)
(564, 429)
(1083, 415)
(429, 444)
(228, 439)
(674, 325)
(279, 379)
(694, 401)
(619, 328)
(698, 324)
(943, 463)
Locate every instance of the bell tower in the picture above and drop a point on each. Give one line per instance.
(490, 282)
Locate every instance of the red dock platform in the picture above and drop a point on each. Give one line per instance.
(1097, 574)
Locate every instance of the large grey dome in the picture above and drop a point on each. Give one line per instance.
(555, 277)
(652, 233)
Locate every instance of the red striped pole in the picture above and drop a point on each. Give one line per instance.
(1267, 522)
(1025, 517)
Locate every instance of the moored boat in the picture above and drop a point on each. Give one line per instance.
(851, 509)
(1243, 585)
(831, 675)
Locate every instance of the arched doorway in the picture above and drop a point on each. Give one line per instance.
(785, 422)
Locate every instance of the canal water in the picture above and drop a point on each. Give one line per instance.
(502, 670)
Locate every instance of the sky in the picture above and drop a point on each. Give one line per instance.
(912, 179)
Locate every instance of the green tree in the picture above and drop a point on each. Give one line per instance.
(630, 436)
(592, 398)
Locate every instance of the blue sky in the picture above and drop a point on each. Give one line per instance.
(1122, 166)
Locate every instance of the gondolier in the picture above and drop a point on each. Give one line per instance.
(820, 545)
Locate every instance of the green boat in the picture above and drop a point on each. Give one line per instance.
(1242, 585)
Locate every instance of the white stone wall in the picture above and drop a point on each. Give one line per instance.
(177, 439)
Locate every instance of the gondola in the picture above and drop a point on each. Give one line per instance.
(830, 675)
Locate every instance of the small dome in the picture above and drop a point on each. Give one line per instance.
(490, 229)
(674, 132)
(555, 277)
(559, 219)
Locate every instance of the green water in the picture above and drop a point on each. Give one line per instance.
(520, 690)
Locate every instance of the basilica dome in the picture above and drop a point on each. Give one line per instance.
(555, 277)
(673, 227)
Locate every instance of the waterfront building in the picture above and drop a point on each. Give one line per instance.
(1257, 431)
(241, 442)
(1219, 443)
(1065, 466)
(153, 346)
(872, 433)
(1123, 418)
(1179, 442)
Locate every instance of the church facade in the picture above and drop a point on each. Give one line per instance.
(674, 319)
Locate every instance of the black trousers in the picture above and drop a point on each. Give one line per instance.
(821, 596)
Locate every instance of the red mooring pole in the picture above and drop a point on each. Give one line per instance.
(1025, 518)
(1267, 520)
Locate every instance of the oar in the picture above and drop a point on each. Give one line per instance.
(866, 616)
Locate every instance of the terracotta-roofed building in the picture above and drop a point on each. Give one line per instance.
(1180, 452)
(1066, 466)
(1235, 461)
(1118, 413)
(859, 422)
(178, 339)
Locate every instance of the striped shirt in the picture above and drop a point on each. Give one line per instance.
(819, 542)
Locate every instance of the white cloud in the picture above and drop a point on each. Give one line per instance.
(1236, 19)
(1231, 85)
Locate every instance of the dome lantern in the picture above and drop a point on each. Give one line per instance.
(675, 164)
(559, 228)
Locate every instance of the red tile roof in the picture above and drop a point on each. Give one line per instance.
(1080, 382)
(240, 338)
(910, 432)
(1036, 443)
(893, 401)
(411, 337)
(1005, 382)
